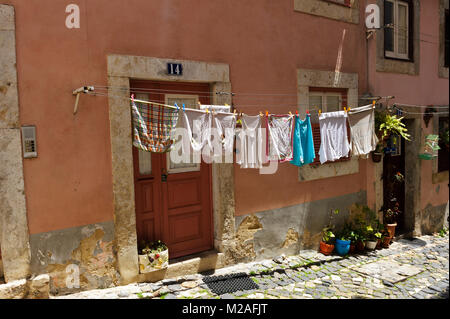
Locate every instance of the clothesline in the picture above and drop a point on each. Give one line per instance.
(418, 113)
(202, 93)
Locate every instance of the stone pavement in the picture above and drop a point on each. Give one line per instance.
(408, 269)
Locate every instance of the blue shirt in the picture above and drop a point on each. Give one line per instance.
(303, 142)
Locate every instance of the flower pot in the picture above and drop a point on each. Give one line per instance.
(376, 157)
(352, 248)
(326, 249)
(342, 247)
(378, 244)
(360, 246)
(370, 245)
(391, 229)
(386, 242)
(153, 261)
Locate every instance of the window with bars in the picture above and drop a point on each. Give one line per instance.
(398, 29)
(327, 100)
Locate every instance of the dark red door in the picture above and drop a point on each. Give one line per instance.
(173, 201)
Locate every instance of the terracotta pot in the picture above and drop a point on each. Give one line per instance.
(391, 229)
(326, 249)
(386, 242)
(352, 248)
(378, 244)
(360, 246)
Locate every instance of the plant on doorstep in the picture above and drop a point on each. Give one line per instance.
(343, 240)
(328, 237)
(153, 256)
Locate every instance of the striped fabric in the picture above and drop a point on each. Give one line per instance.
(152, 127)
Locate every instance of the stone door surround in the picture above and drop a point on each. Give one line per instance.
(122, 68)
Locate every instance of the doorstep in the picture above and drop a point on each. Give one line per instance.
(188, 265)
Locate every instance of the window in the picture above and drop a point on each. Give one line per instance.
(443, 153)
(327, 100)
(397, 29)
(447, 40)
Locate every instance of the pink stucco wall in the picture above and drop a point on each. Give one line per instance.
(427, 88)
(264, 42)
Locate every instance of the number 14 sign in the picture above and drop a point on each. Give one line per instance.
(174, 69)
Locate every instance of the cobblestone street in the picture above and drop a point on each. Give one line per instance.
(416, 268)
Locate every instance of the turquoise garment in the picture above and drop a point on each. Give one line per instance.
(303, 142)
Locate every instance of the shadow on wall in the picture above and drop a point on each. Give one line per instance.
(290, 229)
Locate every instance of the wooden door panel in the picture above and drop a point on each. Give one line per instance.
(185, 227)
(184, 192)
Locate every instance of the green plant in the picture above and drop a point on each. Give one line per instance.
(152, 247)
(328, 236)
(443, 232)
(388, 124)
(390, 215)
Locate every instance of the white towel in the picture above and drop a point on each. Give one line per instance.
(333, 136)
(198, 127)
(251, 148)
(280, 130)
(225, 124)
(362, 130)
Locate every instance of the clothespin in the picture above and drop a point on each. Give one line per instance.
(260, 113)
(207, 110)
(267, 113)
(296, 112)
(199, 105)
(226, 104)
(290, 113)
(345, 109)
(132, 97)
(176, 105)
(373, 103)
(234, 112)
(320, 112)
(184, 109)
(349, 108)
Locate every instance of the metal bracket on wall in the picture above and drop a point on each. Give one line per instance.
(83, 89)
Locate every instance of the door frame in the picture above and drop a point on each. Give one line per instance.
(121, 69)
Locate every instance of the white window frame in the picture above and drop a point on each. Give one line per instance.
(395, 28)
(195, 168)
(324, 96)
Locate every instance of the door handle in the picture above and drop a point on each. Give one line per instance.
(164, 175)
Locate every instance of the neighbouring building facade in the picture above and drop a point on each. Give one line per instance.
(86, 197)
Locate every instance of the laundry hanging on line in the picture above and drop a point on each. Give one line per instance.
(153, 126)
(287, 137)
(280, 130)
(303, 141)
(362, 130)
(333, 136)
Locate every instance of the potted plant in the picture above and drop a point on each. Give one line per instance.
(328, 239)
(377, 155)
(354, 238)
(153, 256)
(372, 237)
(388, 124)
(343, 241)
(385, 239)
(390, 219)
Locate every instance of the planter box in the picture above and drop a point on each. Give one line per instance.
(152, 262)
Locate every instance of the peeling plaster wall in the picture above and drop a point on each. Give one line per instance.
(287, 230)
(88, 247)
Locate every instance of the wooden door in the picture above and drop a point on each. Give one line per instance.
(173, 201)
